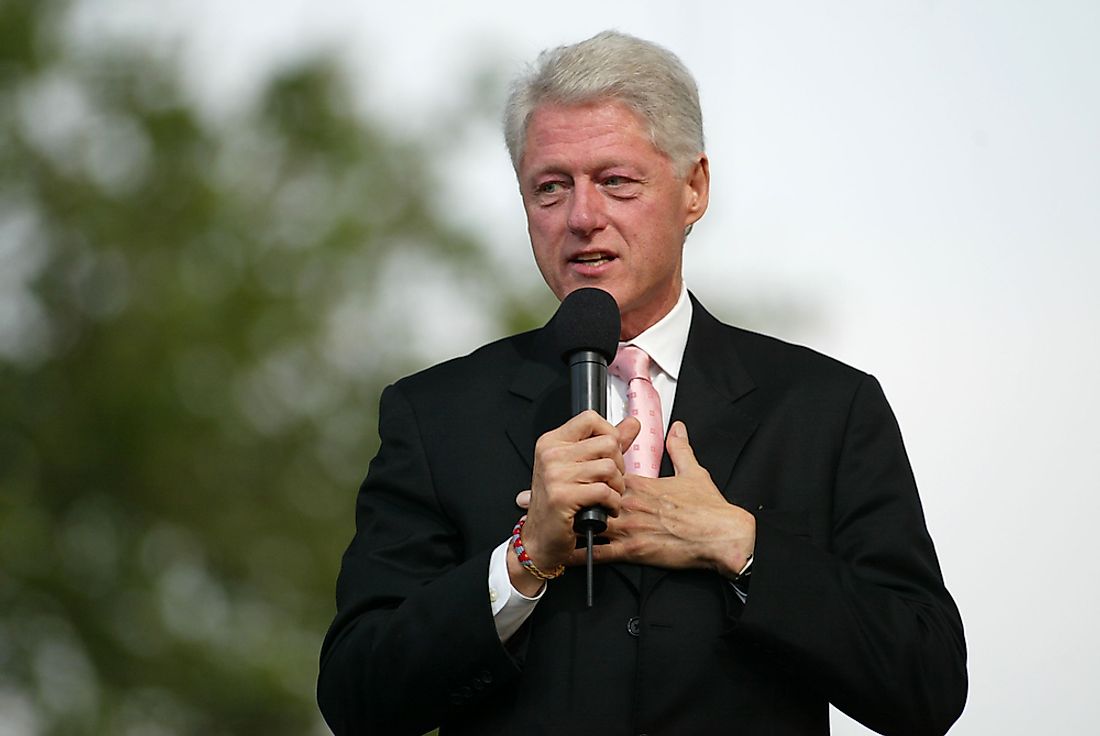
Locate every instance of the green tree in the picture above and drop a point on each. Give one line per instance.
(196, 319)
(193, 335)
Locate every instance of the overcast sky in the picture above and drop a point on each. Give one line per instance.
(925, 176)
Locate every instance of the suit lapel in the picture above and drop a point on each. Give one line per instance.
(540, 390)
(712, 379)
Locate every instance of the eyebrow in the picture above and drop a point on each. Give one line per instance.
(553, 169)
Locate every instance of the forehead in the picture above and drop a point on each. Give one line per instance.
(604, 131)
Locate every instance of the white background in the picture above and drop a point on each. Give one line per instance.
(922, 178)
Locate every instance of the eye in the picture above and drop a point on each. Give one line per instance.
(549, 192)
(620, 186)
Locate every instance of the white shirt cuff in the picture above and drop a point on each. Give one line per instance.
(510, 607)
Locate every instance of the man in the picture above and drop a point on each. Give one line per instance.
(779, 563)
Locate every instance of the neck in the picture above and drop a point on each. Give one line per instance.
(638, 321)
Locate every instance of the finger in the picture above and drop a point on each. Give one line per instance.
(603, 471)
(640, 493)
(601, 446)
(551, 451)
(579, 557)
(605, 495)
(578, 439)
(679, 449)
(584, 425)
(609, 552)
(568, 488)
(523, 499)
(562, 474)
(613, 551)
(627, 430)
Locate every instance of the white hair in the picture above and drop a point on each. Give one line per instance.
(648, 79)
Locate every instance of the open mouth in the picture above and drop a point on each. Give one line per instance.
(592, 259)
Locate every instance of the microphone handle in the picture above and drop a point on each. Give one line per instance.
(588, 390)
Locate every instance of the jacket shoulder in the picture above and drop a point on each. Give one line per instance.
(489, 365)
(765, 360)
(767, 356)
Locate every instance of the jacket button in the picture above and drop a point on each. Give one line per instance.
(634, 626)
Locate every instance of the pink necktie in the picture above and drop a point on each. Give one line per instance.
(631, 364)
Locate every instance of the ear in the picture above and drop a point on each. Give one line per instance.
(696, 190)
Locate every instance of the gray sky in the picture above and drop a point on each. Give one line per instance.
(926, 175)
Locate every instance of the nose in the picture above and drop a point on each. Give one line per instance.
(586, 214)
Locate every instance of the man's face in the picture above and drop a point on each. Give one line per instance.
(606, 209)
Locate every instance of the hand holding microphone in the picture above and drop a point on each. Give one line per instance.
(586, 331)
(578, 467)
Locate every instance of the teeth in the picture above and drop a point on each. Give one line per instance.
(591, 258)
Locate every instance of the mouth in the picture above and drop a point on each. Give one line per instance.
(592, 260)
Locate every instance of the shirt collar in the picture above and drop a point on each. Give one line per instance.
(665, 340)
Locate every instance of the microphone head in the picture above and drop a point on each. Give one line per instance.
(588, 319)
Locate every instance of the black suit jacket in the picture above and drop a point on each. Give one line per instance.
(846, 605)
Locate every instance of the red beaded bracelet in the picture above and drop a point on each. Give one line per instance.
(525, 559)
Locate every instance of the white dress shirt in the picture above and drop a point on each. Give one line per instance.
(664, 342)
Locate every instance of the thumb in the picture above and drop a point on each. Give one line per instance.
(628, 429)
(679, 449)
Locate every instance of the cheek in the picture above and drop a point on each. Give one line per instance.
(647, 217)
(542, 225)
(545, 255)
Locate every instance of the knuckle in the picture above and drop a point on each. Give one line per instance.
(588, 419)
(607, 468)
(543, 445)
(553, 475)
(612, 498)
(553, 454)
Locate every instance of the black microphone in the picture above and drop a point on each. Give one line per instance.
(586, 329)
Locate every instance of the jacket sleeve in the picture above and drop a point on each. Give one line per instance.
(866, 621)
(413, 641)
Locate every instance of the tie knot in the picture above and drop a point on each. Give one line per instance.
(630, 362)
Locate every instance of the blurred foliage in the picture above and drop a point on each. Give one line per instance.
(195, 324)
(196, 318)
